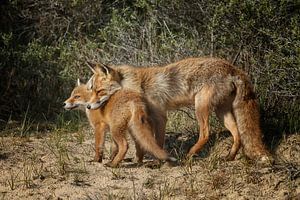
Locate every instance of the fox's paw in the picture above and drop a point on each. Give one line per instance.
(97, 159)
(111, 164)
(190, 155)
(227, 158)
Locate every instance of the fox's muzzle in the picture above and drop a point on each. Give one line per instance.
(98, 104)
(69, 106)
(93, 106)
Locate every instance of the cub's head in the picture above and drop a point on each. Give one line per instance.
(79, 97)
(102, 94)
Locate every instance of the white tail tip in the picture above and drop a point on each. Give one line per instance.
(172, 159)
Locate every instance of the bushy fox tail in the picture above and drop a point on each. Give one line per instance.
(143, 133)
(246, 112)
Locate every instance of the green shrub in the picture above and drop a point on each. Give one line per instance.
(44, 46)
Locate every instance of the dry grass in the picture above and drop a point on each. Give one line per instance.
(56, 166)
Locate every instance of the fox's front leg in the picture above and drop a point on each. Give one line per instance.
(99, 141)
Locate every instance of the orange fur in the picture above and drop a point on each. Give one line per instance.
(79, 97)
(206, 83)
(127, 110)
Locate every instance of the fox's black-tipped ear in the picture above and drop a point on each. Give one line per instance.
(105, 69)
(78, 82)
(92, 66)
(95, 67)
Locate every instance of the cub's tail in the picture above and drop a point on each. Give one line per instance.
(142, 131)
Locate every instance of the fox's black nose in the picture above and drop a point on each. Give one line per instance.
(88, 106)
(64, 104)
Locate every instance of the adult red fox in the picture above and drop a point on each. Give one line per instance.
(206, 83)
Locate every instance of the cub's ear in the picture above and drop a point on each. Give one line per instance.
(78, 82)
(89, 84)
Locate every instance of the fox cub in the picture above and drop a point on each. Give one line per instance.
(124, 110)
(78, 100)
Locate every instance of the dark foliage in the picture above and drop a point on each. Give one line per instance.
(44, 45)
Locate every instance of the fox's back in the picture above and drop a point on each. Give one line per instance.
(175, 85)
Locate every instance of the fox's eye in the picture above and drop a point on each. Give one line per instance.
(77, 97)
(100, 92)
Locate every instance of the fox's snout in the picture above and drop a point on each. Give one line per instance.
(99, 103)
(64, 104)
(93, 106)
(67, 106)
(70, 106)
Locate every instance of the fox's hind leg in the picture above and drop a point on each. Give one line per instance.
(114, 150)
(224, 113)
(203, 101)
(118, 135)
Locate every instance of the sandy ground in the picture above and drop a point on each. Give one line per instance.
(57, 166)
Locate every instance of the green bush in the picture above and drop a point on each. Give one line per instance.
(44, 46)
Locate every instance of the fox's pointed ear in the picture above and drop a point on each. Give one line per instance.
(78, 82)
(89, 84)
(104, 68)
(99, 68)
(92, 66)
